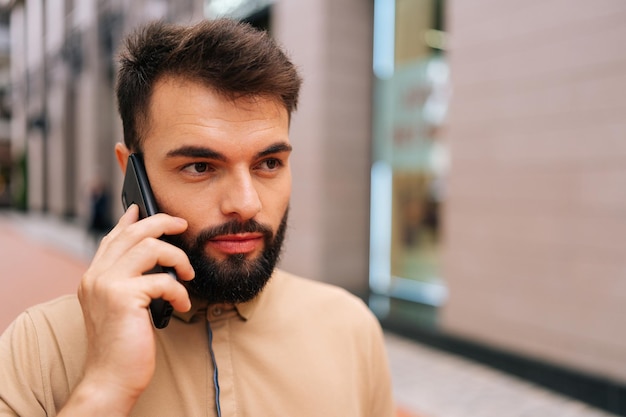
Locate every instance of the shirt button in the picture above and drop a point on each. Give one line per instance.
(217, 311)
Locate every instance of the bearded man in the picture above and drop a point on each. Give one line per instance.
(207, 109)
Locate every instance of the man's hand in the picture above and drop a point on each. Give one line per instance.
(114, 296)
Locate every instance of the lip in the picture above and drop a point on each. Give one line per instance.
(236, 244)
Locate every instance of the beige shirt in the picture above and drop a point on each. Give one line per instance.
(302, 348)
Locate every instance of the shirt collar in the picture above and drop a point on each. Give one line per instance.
(199, 307)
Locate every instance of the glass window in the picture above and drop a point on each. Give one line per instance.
(409, 159)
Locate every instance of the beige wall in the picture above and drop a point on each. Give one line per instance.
(330, 42)
(535, 256)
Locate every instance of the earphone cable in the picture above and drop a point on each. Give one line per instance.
(215, 373)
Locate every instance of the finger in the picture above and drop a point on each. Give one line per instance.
(111, 297)
(163, 286)
(151, 252)
(128, 234)
(129, 217)
(158, 225)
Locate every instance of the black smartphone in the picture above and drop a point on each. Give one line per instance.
(136, 189)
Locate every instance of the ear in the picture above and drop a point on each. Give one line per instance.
(121, 153)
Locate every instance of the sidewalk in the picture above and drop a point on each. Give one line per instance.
(431, 383)
(36, 263)
(42, 257)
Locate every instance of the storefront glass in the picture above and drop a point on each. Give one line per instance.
(409, 160)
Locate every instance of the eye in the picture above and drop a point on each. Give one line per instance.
(197, 168)
(272, 164)
(200, 166)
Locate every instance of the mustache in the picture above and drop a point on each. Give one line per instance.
(231, 228)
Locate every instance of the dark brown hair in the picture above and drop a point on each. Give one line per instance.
(231, 57)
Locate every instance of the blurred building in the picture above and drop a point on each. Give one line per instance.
(6, 160)
(461, 165)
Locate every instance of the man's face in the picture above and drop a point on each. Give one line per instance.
(222, 165)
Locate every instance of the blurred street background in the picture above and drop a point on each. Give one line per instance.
(460, 165)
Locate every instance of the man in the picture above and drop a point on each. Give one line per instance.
(208, 109)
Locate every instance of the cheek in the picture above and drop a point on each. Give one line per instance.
(168, 201)
(177, 199)
(275, 198)
(191, 208)
(177, 202)
(164, 194)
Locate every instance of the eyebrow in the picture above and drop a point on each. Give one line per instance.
(196, 152)
(275, 148)
(208, 153)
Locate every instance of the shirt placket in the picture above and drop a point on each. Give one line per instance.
(219, 318)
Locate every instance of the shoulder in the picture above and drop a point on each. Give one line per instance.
(320, 300)
(319, 293)
(335, 317)
(49, 331)
(60, 309)
(56, 325)
(53, 318)
(42, 352)
(54, 314)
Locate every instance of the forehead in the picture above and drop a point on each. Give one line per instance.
(186, 110)
(187, 90)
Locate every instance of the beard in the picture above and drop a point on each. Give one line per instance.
(235, 279)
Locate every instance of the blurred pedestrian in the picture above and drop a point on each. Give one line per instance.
(207, 107)
(100, 222)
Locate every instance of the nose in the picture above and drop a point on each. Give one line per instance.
(241, 198)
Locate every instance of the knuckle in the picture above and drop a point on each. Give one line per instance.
(134, 231)
(149, 245)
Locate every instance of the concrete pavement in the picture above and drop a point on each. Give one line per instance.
(42, 257)
(431, 383)
(34, 265)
